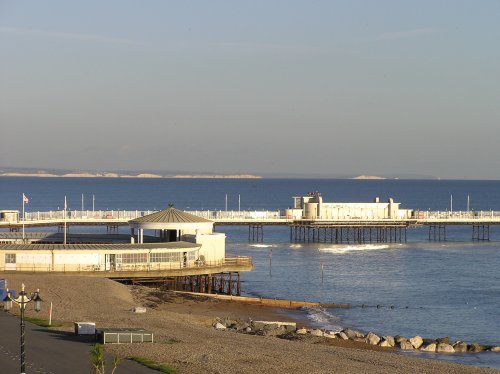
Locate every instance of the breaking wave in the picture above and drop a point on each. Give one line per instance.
(353, 248)
(322, 318)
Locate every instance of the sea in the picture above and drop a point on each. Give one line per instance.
(419, 287)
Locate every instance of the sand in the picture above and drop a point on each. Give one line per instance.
(185, 339)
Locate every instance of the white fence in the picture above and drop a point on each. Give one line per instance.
(246, 215)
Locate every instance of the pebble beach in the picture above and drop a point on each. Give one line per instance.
(186, 340)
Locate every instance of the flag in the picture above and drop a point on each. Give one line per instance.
(25, 199)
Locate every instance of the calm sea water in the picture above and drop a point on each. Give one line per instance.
(434, 289)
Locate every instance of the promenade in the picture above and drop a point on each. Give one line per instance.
(51, 352)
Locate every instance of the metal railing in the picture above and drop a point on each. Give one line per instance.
(245, 216)
(239, 261)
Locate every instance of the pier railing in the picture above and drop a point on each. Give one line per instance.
(231, 262)
(247, 216)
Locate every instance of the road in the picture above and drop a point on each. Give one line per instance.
(50, 352)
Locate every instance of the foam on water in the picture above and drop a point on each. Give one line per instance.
(323, 319)
(352, 248)
(262, 245)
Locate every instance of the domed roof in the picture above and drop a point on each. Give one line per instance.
(170, 215)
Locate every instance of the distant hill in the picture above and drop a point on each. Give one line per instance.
(63, 173)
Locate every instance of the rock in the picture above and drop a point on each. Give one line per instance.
(390, 341)
(428, 347)
(301, 331)
(474, 347)
(416, 342)
(248, 329)
(219, 326)
(372, 338)
(460, 347)
(384, 344)
(342, 335)
(139, 309)
(495, 349)
(398, 339)
(273, 325)
(361, 340)
(330, 335)
(444, 348)
(445, 340)
(405, 345)
(351, 334)
(317, 332)
(240, 326)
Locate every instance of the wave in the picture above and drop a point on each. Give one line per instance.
(322, 318)
(263, 245)
(352, 248)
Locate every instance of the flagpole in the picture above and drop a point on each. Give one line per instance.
(23, 217)
(64, 218)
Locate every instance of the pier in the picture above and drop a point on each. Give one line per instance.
(343, 230)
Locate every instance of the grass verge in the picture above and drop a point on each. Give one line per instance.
(41, 322)
(164, 368)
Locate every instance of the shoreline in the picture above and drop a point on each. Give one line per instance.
(185, 338)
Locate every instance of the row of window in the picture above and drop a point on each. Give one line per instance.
(135, 258)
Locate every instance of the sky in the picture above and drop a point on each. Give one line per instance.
(325, 88)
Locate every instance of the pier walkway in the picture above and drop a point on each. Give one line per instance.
(122, 217)
(345, 229)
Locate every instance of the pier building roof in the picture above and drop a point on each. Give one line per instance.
(170, 218)
(93, 247)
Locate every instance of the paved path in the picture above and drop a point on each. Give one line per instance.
(50, 351)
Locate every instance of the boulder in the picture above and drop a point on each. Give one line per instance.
(330, 335)
(317, 332)
(444, 348)
(140, 309)
(460, 347)
(416, 342)
(387, 342)
(351, 334)
(474, 347)
(495, 349)
(248, 329)
(445, 340)
(390, 341)
(428, 347)
(372, 338)
(219, 326)
(342, 335)
(405, 345)
(240, 325)
(398, 339)
(301, 331)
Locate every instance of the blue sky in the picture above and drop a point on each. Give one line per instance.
(264, 87)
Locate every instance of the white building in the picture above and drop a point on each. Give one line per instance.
(313, 207)
(180, 240)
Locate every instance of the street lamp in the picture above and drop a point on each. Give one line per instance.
(22, 299)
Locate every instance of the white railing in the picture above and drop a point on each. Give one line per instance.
(86, 214)
(457, 215)
(237, 215)
(126, 215)
(244, 216)
(239, 261)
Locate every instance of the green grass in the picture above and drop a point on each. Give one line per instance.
(153, 365)
(41, 322)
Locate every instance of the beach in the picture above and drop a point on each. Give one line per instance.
(186, 340)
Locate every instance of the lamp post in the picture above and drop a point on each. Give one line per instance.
(22, 299)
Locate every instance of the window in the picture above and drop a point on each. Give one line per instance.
(166, 257)
(10, 258)
(131, 258)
